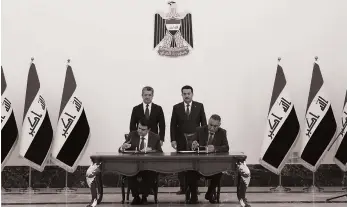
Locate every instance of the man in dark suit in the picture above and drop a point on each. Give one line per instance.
(145, 141)
(214, 139)
(153, 112)
(186, 116)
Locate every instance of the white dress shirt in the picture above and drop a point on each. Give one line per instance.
(145, 144)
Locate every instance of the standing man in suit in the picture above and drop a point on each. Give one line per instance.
(186, 117)
(214, 138)
(151, 111)
(145, 141)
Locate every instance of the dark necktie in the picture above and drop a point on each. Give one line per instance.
(210, 139)
(187, 111)
(147, 112)
(142, 144)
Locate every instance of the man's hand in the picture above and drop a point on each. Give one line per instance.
(174, 144)
(161, 143)
(210, 148)
(126, 146)
(195, 145)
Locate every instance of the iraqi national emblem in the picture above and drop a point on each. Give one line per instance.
(173, 32)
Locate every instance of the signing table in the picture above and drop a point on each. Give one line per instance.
(129, 164)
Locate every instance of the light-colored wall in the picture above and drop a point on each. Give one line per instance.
(232, 66)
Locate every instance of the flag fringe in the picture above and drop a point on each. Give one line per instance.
(3, 164)
(340, 164)
(37, 167)
(74, 167)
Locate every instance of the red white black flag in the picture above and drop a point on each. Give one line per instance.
(282, 127)
(340, 157)
(73, 130)
(320, 127)
(37, 132)
(9, 130)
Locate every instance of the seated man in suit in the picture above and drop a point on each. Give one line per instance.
(215, 140)
(145, 141)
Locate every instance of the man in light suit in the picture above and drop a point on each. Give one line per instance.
(151, 111)
(214, 138)
(186, 116)
(142, 140)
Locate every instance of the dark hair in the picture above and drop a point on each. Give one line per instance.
(144, 122)
(148, 88)
(216, 117)
(187, 87)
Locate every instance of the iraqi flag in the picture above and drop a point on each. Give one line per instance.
(320, 124)
(72, 133)
(282, 128)
(37, 133)
(340, 157)
(9, 130)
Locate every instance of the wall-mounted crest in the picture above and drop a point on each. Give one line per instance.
(173, 32)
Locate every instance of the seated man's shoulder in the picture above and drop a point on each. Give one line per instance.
(222, 130)
(154, 135)
(133, 133)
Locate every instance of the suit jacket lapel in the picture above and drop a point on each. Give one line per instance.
(193, 110)
(150, 143)
(151, 114)
(135, 141)
(182, 109)
(216, 137)
(141, 109)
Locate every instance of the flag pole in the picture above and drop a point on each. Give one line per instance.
(280, 188)
(29, 189)
(66, 189)
(313, 188)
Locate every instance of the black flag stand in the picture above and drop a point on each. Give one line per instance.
(280, 188)
(313, 188)
(29, 189)
(344, 189)
(66, 189)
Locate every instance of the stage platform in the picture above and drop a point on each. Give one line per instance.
(257, 196)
